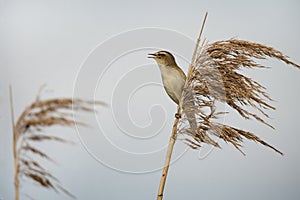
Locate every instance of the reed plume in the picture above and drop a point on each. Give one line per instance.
(215, 76)
(29, 130)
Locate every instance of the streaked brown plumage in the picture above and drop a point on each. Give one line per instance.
(173, 79)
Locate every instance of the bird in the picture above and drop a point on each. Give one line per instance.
(173, 79)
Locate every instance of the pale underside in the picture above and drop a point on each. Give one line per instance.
(173, 81)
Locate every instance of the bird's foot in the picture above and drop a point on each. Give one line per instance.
(177, 115)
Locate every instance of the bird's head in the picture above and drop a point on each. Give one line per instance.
(163, 58)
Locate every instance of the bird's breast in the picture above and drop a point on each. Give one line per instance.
(173, 82)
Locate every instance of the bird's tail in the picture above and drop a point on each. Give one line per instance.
(188, 110)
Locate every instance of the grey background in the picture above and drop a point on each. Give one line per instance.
(48, 41)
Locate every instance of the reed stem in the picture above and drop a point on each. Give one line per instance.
(15, 140)
(174, 129)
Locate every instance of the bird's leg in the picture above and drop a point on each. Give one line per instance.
(177, 115)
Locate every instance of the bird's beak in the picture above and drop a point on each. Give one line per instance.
(151, 55)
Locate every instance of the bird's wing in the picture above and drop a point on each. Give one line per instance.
(172, 95)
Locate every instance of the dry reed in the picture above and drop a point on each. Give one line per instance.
(216, 77)
(175, 125)
(29, 130)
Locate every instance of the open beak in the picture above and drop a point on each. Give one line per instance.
(151, 55)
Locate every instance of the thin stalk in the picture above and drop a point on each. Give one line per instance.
(168, 157)
(15, 138)
(174, 129)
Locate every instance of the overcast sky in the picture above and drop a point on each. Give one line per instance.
(97, 50)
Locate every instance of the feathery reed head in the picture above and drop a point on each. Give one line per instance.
(29, 128)
(215, 77)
